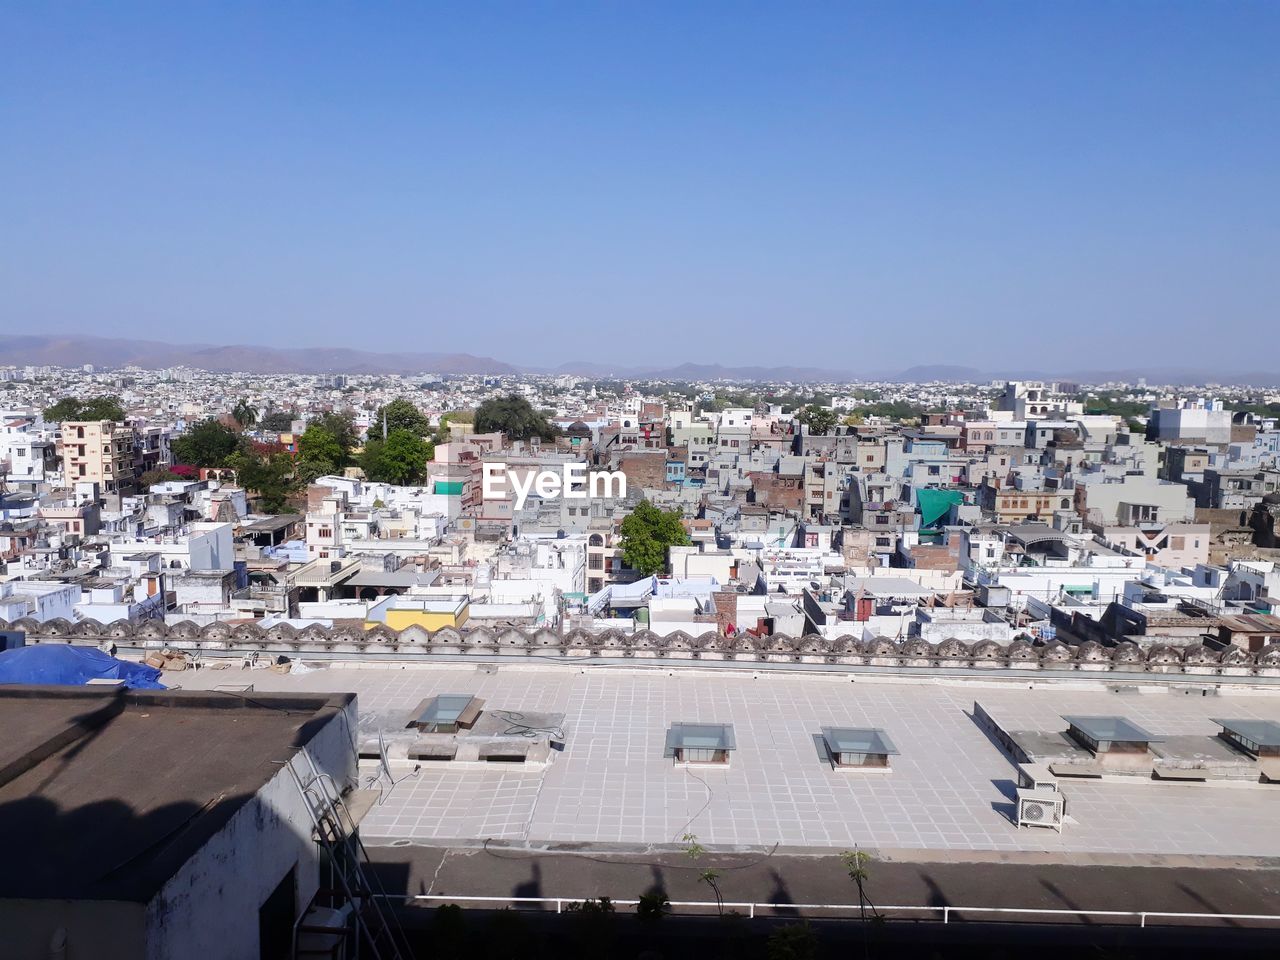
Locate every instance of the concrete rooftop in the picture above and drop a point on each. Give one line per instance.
(950, 789)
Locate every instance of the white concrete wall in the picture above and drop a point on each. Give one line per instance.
(209, 908)
(48, 600)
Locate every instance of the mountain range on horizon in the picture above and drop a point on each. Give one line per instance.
(107, 352)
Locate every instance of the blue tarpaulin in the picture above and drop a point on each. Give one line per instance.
(60, 663)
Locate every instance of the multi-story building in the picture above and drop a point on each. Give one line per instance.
(98, 451)
(1028, 399)
(1193, 421)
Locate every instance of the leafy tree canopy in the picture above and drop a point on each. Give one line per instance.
(207, 444)
(325, 447)
(818, 419)
(271, 478)
(647, 533)
(340, 427)
(321, 451)
(280, 421)
(893, 409)
(95, 408)
(443, 433)
(401, 459)
(514, 416)
(401, 414)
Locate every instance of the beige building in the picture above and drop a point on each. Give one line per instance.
(98, 451)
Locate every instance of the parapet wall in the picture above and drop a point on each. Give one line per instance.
(223, 639)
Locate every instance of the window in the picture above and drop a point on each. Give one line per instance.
(699, 742)
(446, 713)
(595, 562)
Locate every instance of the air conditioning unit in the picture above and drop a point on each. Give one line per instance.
(1040, 808)
(1036, 776)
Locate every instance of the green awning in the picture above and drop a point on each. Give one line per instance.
(936, 504)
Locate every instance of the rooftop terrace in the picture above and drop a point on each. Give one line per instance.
(951, 787)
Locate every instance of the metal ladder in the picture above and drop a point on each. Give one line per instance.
(335, 830)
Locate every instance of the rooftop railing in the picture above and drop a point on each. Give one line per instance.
(845, 911)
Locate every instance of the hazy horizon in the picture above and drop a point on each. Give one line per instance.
(849, 186)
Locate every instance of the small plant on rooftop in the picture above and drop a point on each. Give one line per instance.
(653, 906)
(856, 866)
(694, 851)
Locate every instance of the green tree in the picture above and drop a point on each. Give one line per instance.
(443, 433)
(894, 410)
(244, 414)
(514, 416)
(95, 408)
(320, 452)
(271, 478)
(401, 414)
(207, 444)
(340, 427)
(401, 459)
(325, 447)
(647, 533)
(818, 419)
(279, 421)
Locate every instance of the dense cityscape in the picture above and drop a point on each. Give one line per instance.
(254, 533)
(639, 481)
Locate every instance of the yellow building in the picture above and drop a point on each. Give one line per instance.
(98, 451)
(429, 613)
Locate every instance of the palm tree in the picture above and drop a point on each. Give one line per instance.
(244, 414)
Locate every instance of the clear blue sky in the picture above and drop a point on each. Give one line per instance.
(854, 185)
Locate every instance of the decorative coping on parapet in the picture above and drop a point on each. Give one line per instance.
(911, 652)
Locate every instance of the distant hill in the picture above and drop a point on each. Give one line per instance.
(714, 371)
(697, 371)
(73, 351)
(942, 372)
(66, 351)
(1154, 375)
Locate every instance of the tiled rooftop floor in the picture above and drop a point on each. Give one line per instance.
(949, 789)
